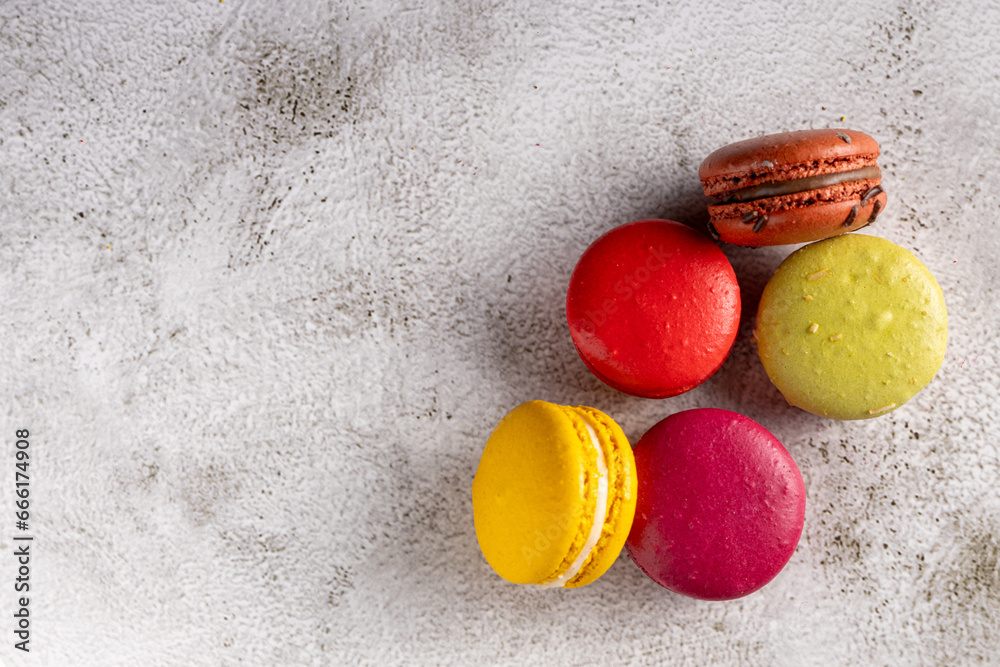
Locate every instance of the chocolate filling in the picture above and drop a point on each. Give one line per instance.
(781, 188)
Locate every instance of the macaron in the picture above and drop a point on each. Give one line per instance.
(653, 308)
(793, 187)
(554, 495)
(721, 505)
(851, 327)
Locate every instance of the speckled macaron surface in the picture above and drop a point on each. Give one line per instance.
(851, 327)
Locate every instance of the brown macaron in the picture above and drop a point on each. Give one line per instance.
(794, 187)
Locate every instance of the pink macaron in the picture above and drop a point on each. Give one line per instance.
(653, 307)
(720, 505)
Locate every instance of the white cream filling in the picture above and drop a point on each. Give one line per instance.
(600, 513)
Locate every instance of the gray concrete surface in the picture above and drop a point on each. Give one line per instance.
(272, 272)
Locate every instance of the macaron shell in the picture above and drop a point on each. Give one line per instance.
(795, 221)
(720, 507)
(795, 154)
(851, 327)
(532, 504)
(653, 308)
(734, 171)
(622, 487)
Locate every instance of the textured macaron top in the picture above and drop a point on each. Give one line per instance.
(851, 327)
(537, 494)
(721, 504)
(653, 308)
(785, 156)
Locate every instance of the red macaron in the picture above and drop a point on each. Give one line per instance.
(653, 308)
(720, 505)
(794, 187)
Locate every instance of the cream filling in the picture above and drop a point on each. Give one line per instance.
(781, 188)
(600, 514)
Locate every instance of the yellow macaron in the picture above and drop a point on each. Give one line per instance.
(851, 327)
(554, 495)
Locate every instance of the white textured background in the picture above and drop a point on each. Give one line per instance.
(271, 272)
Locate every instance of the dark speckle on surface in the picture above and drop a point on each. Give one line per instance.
(292, 96)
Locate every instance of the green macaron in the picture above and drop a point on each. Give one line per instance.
(851, 327)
